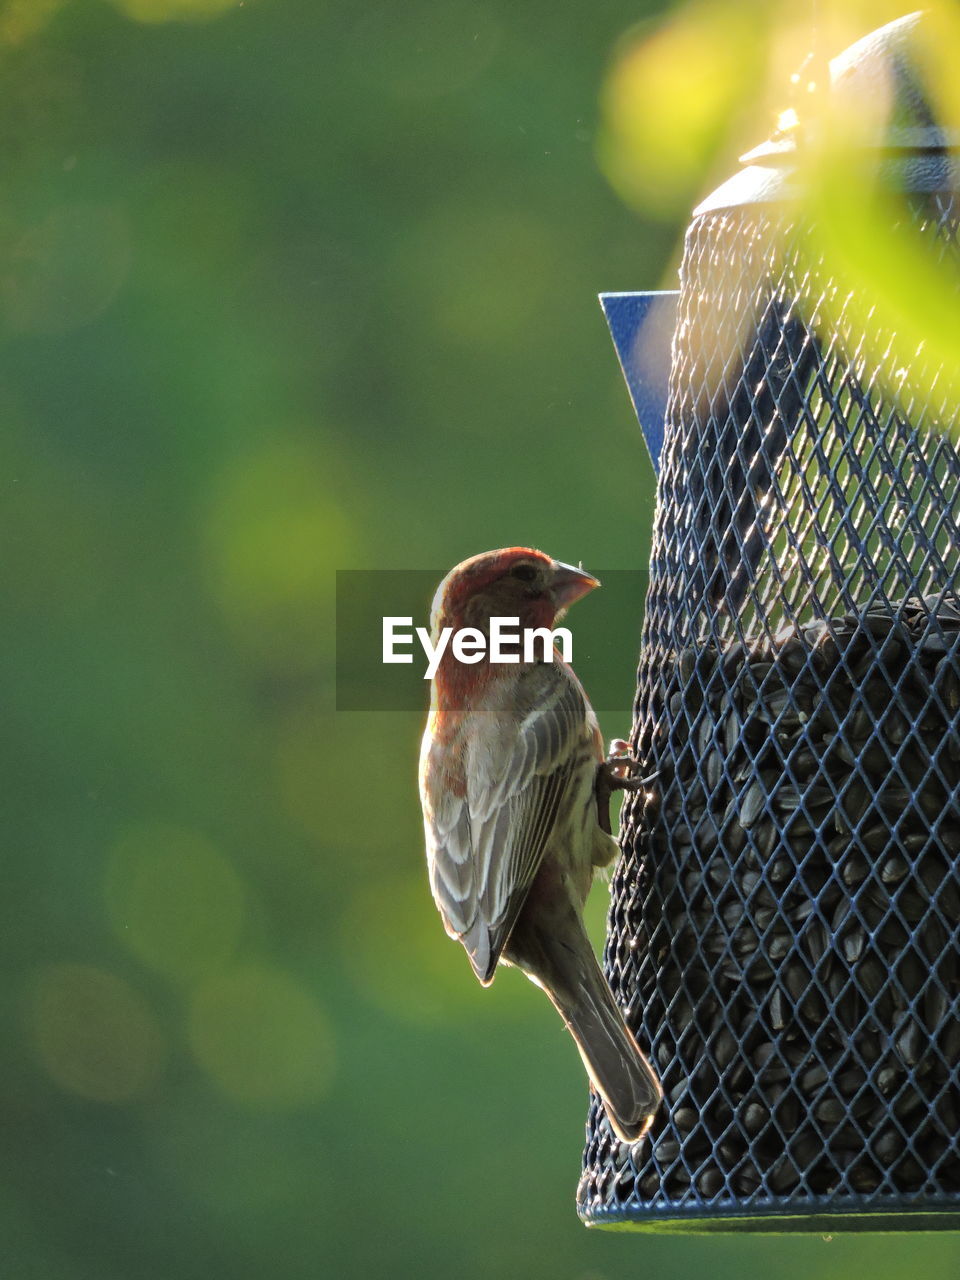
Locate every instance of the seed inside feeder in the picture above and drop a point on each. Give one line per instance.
(812, 864)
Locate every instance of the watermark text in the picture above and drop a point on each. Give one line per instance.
(506, 642)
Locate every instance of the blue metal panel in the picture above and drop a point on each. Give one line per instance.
(642, 325)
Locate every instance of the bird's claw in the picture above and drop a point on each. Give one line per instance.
(622, 768)
(617, 773)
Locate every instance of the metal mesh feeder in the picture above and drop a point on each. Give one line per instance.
(784, 930)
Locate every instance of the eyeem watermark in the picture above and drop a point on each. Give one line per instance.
(507, 642)
(606, 626)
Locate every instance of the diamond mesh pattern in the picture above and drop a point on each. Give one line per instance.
(784, 924)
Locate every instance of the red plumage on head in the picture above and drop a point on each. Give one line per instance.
(476, 575)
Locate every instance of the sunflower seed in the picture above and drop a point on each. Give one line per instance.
(789, 920)
(710, 1182)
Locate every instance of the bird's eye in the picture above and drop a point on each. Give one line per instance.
(525, 572)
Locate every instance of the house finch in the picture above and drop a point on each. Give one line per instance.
(508, 782)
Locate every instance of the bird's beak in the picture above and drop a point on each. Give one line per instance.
(569, 584)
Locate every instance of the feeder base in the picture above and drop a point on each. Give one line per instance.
(776, 1222)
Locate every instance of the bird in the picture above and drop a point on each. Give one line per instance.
(513, 815)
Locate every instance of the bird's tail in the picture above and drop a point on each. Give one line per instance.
(620, 1073)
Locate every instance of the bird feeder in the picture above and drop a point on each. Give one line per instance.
(784, 924)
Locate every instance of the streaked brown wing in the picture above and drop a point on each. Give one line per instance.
(485, 847)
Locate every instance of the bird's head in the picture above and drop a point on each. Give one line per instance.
(515, 582)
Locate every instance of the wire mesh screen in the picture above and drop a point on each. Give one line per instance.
(784, 924)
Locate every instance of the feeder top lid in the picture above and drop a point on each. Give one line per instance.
(881, 70)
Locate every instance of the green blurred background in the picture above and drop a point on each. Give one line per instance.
(292, 286)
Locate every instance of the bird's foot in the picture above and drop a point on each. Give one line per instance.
(617, 773)
(623, 768)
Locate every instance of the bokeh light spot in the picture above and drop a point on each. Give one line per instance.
(94, 1034)
(671, 96)
(276, 535)
(174, 900)
(66, 270)
(21, 19)
(262, 1038)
